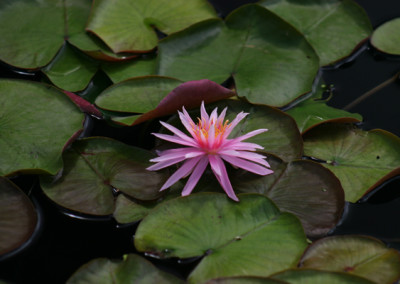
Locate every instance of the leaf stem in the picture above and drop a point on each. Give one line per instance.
(372, 91)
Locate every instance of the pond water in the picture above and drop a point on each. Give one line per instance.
(64, 243)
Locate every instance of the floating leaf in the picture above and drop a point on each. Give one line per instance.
(94, 168)
(17, 217)
(315, 111)
(71, 70)
(120, 71)
(334, 28)
(130, 25)
(137, 95)
(310, 276)
(42, 28)
(132, 269)
(270, 62)
(282, 138)
(29, 140)
(304, 188)
(363, 256)
(245, 280)
(386, 37)
(189, 94)
(235, 239)
(360, 159)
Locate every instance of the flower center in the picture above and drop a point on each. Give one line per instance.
(202, 131)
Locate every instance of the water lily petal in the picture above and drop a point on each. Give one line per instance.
(174, 139)
(232, 125)
(178, 133)
(166, 163)
(183, 171)
(218, 167)
(195, 176)
(248, 166)
(203, 112)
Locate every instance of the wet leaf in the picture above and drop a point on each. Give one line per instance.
(282, 138)
(386, 37)
(235, 239)
(315, 111)
(270, 62)
(130, 25)
(357, 255)
(17, 217)
(94, 167)
(137, 95)
(71, 70)
(29, 140)
(304, 188)
(132, 269)
(311, 276)
(334, 28)
(42, 28)
(360, 159)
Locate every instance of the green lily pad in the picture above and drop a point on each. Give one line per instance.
(363, 256)
(132, 269)
(334, 28)
(18, 217)
(137, 95)
(120, 71)
(94, 168)
(386, 37)
(360, 159)
(42, 28)
(70, 70)
(311, 276)
(314, 111)
(245, 280)
(130, 25)
(29, 140)
(282, 138)
(235, 239)
(270, 61)
(303, 188)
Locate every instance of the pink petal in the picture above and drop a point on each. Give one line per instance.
(186, 153)
(232, 125)
(245, 146)
(203, 112)
(183, 171)
(248, 135)
(194, 178)
(164, 164)
(186, 121)
(178, 133)
(218, 167)
(251, 156)
(248, 166)
(222, 116)
(214, 116)
(174, 139)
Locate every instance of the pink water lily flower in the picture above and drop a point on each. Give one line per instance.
(209, 144)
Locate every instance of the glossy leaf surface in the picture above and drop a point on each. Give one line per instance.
(270, 62)
(243, 238)
(132, 269)
(363, 256)
(386, 37)
(334, 28)
(303, 188)
(94, 168)
(360, 159)
(29, 140)
(129, 25)
(17, 217)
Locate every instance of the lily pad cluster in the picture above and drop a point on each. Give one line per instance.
(158, 57)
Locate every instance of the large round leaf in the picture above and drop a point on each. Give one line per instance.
(311, 276)
(41, 29)
(386, 37)
(360, 159)
(245, 280)
(17, 217)
(138, 95)
(334, 28)
(129, 25)
(234, 239)
(270, 61)
(363, 256)
(94, 168)
(132, 269)
(303, 188)
(36, 122)
(282, 138)
(314, 111)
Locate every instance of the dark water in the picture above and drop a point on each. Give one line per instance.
(65, 243)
